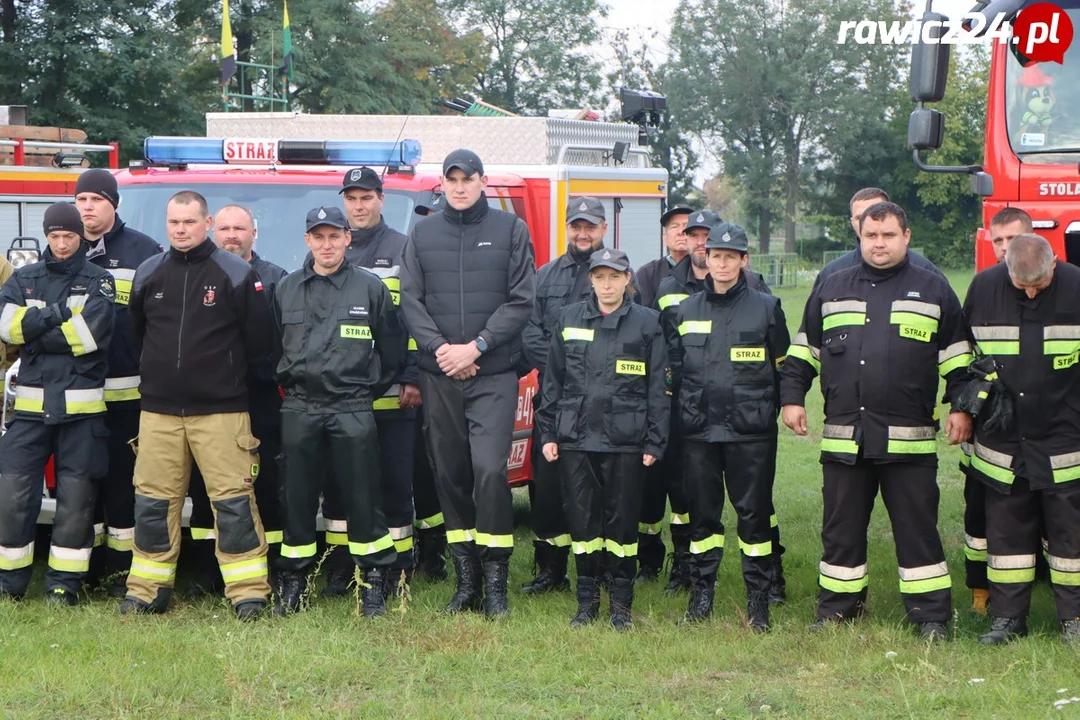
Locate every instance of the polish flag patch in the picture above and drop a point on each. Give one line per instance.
(258, 286)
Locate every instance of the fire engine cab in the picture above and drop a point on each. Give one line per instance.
(280, 165)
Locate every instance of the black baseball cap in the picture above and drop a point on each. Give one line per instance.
(465, 160)
(325, 216)
(673, 211)
(728, 236)
(430, 202)
(609, 258)
(363, 178)
(585, 208)
(703, 219)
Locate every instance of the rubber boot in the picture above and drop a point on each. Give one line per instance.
(680, 562)
(372, 592)
(621, 599)
(431, 554)
(496, 577)
(650, 557)
(588, 598)
(757, 611)
(293, 589)
(469, 593)
(551, 561)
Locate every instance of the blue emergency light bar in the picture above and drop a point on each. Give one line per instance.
(266, 151)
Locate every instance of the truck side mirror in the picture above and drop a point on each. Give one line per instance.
(982, 184)
(930, 61)
(20, 253)
(926, 129)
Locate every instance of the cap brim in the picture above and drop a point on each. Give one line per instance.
(609, 264)
(328, 223)
(693, 226)
(359, 186)
(594, 219)
(469, 170)
(672, 213)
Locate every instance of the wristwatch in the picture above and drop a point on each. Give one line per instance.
(481, 344)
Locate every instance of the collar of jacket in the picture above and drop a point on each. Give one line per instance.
(196, 254)
(360, 238)
(254, 258)
(67, 266)
(592, 311)
(683, 273)
(571, 257)
(469, 216)
(869, 272)
(100, 246)
(337, 277)
(730, 296)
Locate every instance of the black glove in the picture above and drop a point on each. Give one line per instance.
(985, 398)
(58, 314)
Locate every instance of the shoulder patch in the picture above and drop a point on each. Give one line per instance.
(107, 289)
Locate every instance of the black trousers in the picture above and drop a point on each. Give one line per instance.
(114, 515)
(344, 449)
(666, 481)
(975, 534)
(425, 498)
(468, 428)
(545, 496)
(748, 469)
(911, 496)
(602, 494)
(81, 453)
(1013, 542)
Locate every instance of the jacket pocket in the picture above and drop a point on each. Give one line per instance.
(626, 427)
(568, 419)
(693, 409)
(754, 409)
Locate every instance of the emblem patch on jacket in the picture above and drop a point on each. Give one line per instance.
(383, 262)
(358, 311)
(106, 288)
(211, 293)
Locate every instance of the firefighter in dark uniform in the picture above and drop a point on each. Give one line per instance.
(879, 334)
(1025, 313)
(376, 247)
(342, 346)
(119, 249)
(604, 418)
(235, 232)
(729, 342)
(561, 282)
(59, 312)
(652, 273)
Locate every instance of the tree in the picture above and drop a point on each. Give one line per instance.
(539, 51)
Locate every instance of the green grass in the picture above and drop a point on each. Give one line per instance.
(198, 661)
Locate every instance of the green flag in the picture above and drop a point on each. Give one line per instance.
(286, 68)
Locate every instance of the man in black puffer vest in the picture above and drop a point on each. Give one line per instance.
(467, 287)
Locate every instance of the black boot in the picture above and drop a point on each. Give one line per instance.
(431, 555)
(392, 582)
(588, 598)
(1070, 631)
(496, 577)
(757, 611)
(680, 563)
(778, 591)
(469, 593)
(59, 597)
(551, 562)
(1003, 630)
(207, 581)
(650, 557)
(341, 571)
(621, 599)
(372, 593)
(293, 589)
(702, 590)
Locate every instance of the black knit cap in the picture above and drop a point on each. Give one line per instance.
(62, 216)
(100, 182)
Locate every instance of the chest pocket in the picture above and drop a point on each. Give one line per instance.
(693, 350)
(630, 370)
(551, 299)
(353, 332)
(749, 358)
(915, 320)
(292, 331)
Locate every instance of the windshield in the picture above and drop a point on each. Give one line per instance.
(1043, 105)
(279, 211)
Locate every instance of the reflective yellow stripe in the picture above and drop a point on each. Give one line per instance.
(774, 521)
(999, 347)
(16, 558)
(650, 528)
(710, 543)
(384, 543)
(912, 447)
(559, 540)
(960, 361)
(623, 551)
(123, 291)
(833, 445)
(69, 559)
(121, 539)
(244, 570)
(298, 552)
(840, 319)
(572, 333)
(336, 538)
(925, 579)
(11, 320)
(974, 555)
(995, 472)
(99, 534)
(29, 399)
(385, 403)
(202, 533)
(803, 353)
(913, 320)
(1060, 347)
(755, 549)
(680, 518)
(78, 336)
(669, 300)
(1026, 575)
(404, 544)
(1070, 579)
(588, 546)
(843, 586)
(427, 523)
(412, 345)
(459, 536)
(151, 570)
(120, 389)
(699, 327)
(494, 541)
(84, 402)
(273, 537)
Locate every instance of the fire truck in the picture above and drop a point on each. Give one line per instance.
(1032, 143)
(280, 165)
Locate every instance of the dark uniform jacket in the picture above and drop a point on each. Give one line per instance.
(467, 274)
(201, 321)
(649, 277)
(1036, 346)
(855, 258)
(879, 339)
(727, 351)
(60, 314)
(265, 397)
(121, 251)
(605, 389)
(379, 249)
(341, 340)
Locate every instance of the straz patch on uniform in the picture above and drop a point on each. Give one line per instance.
(743, 354)
(356, 332)
(1064, 362)
(629, 367)
(914, 333)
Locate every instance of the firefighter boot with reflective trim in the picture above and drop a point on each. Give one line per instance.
(778, 591)
(470, 593)
(60, 597)
(551, 561)
(680, 563)
(1003, 630)
(757, 611)
(1070, 632)
(621, 599)
(135, 606)
(650, 557)
(293, 588)
(341, 572)
(431, 554)
(496, 578)
(588, 598)
(372, 593)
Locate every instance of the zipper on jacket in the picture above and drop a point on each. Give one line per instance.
(183, 312)
(461, 273)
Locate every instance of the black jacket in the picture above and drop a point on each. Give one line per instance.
(60, 313)
(379, 249)
(855, 259)
(649, 277)
(681, 283)
(121, 251)
(1036, 346)
(265, 399)
(467, 274)
(605, 389)
(201, 320)
(879, 339)
(341, 340)
(728, 350)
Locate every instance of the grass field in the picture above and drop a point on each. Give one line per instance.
(199, 662)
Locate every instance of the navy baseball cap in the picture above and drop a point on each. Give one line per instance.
(702, 219)
(585, 208)
(325, 216)
(363, 178)
(609, 258)
(672, 212)
(728, 236)
(464, 160)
